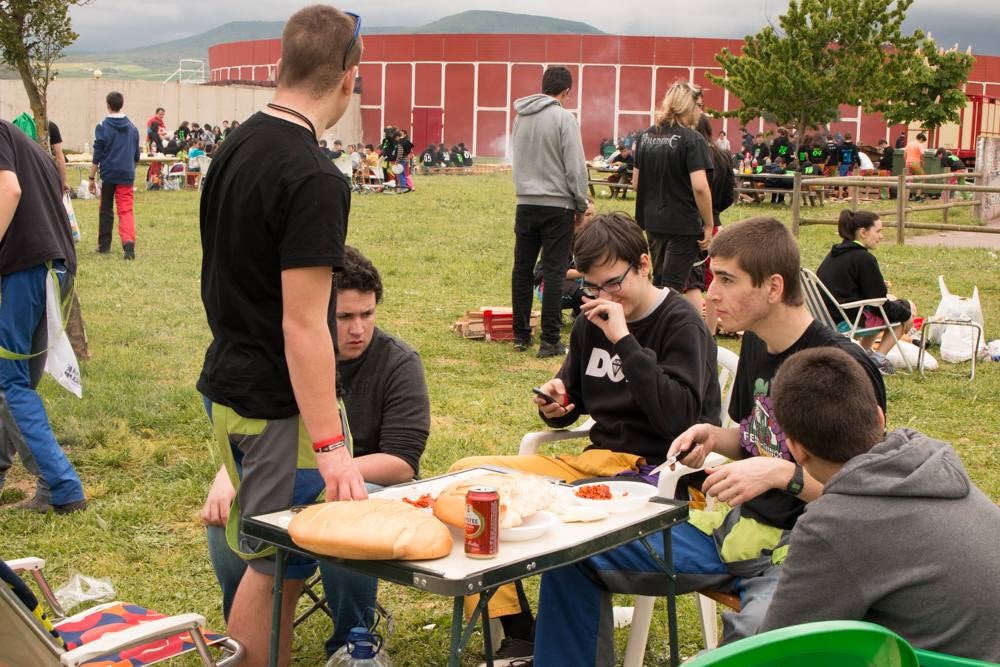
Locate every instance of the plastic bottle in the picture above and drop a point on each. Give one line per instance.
(363, 649)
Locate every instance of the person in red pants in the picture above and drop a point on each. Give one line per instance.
(116, 152)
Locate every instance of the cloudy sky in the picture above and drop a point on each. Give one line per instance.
(107, 25)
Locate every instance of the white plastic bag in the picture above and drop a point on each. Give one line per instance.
(910, 351)
(60, 361)
(81, 588)
(73, 226)
(958, 343)
(953, 307)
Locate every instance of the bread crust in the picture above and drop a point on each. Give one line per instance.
(521, 496)
(371, 529)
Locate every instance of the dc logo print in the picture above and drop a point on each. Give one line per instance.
(602, 364)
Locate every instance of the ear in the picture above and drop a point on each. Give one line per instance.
(881, 419)
(775, 288)
(801, 454)
(644, 265)
(277, 70)
(347, 82)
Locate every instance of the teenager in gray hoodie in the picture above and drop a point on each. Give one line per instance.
(550, 178)
(900, 536)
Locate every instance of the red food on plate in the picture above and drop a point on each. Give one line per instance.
(423, 502)
(594, 492)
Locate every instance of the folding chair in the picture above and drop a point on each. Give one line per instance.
(115, 633)
(643, 612)
(175, 177)
(203, 162)
(818, 297)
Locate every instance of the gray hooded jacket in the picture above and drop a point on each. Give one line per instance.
(549, 165)
(900, 537)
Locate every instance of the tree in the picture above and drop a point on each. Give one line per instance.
(934, 94)
(33, 34)
(823, 54)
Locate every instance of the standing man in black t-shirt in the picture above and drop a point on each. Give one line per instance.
(35, 239)
(757, 290)
(273, 223)
(673, 198)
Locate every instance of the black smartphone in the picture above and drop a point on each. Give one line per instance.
(542, 395)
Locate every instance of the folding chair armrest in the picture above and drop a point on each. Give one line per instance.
(667, 485)
(860, 303)
(531, 442)
(29, 564)
(133, 636)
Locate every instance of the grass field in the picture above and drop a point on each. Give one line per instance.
(139, 437)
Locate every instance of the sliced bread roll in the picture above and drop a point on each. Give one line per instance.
(521, 496)
(372, 529)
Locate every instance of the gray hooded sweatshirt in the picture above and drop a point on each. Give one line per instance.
(900, 537)
(549, 165)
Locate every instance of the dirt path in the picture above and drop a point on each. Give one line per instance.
(959, 239)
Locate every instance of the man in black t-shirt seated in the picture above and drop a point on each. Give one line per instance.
(387, 405)
(738, 546)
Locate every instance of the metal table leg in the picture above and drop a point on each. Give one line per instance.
(462, 632)
(279, 585)
(455, 649)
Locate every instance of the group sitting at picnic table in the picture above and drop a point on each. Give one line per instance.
(820, 513)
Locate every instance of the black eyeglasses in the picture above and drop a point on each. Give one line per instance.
(354, 39)
(613, 286)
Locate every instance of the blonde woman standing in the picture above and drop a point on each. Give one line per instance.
(673, 195)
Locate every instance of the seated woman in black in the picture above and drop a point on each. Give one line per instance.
(852, 273)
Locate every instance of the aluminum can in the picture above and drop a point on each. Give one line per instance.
(482, 522)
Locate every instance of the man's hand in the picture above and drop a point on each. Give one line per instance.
(92, 187)
(341, 475)
(743, 480)
(699, 439)
(608, 316)
(706, 239)
(65, 188)
(220, 499)
(557, 390)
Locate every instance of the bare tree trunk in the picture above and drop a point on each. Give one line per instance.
(36, 100)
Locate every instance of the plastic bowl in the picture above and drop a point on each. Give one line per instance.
(534, 526)
(626, 496)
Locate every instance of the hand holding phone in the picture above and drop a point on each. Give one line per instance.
(542, 395)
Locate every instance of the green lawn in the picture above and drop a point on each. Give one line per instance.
(139, 437)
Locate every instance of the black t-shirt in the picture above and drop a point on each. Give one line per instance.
(39, 230)
(666, 158)
(427, 158)
(55, 136)
(271, 202)
(760, 434)
(885, 162)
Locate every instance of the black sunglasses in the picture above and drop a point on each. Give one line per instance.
(354, 38)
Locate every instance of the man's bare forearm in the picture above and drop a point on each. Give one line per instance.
(311, 368)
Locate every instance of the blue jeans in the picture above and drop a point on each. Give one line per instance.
(22, 311)
(574, 605)
(350, 595)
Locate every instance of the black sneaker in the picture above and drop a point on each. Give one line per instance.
(103, 251)
(521, 344)
(551, 350)
(513, 652)
(129, 249)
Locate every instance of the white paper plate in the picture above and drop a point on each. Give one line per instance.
(625, 496)
(534, 526)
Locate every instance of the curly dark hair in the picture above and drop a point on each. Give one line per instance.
(358, 274)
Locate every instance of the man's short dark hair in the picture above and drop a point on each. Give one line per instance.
(358, 274)
(607, 238)
(762, 247)
(824, 401)
(921, 137)
(313, 43)
(115, 101)
(159, 109)
(556, 80)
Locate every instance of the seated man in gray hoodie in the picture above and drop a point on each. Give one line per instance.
(550, 178)
(900, 536)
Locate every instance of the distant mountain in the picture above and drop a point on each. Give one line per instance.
(158, 61)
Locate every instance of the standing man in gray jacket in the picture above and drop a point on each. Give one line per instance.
(550, 178)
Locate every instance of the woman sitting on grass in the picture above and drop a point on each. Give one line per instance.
(851, 273)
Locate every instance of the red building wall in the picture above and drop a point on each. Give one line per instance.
(475, 79)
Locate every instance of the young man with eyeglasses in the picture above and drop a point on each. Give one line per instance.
(641, 363)
(273, 225)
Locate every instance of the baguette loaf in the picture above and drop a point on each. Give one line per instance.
(520, 496)
(372, 529)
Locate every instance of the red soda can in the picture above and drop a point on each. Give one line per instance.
(482, 522)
